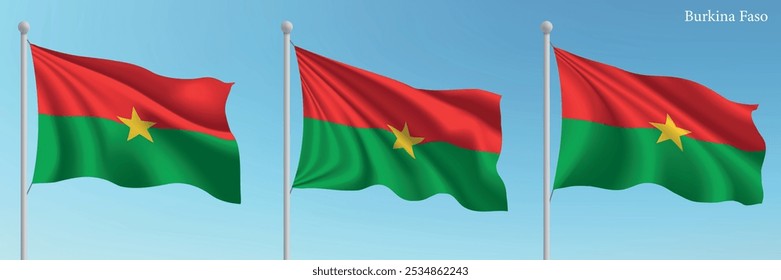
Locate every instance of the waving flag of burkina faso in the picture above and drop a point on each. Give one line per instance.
(122, 123)
(620, 129)
(363, 129)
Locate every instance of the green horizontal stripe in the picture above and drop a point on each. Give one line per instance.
(615, 158)
(340, 157)
(70, 147)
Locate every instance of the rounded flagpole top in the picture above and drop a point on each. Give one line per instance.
(546, 27)
(24, 27)
(287, 27)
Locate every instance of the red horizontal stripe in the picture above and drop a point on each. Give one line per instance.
(605, 94)
(340, 93)
(70, 85)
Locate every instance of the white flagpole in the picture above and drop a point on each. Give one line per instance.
(24, 27)
(547, 27)
(286, 28)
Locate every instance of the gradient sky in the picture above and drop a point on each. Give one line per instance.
(492, 45)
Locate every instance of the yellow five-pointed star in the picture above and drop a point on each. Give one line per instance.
(137, 126)
(670, 132)
(404, 140)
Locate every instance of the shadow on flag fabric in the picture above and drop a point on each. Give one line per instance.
(122, 123)
(621, 129)
(363, 129)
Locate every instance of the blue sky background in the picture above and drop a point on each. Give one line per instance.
(492, 45)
